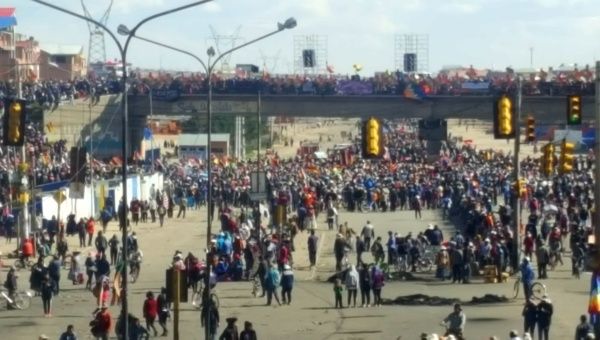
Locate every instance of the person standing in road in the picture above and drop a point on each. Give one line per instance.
(313, 245)
(89, 227)
(377, 283)
(230, 332)
(150, 311)
(81, 231)
(287, 283)
(360, 249)
(527, 276)
(543, 258)
(529, 317)
(377, 251)
(339, 248)
(368, 233)
(583, 329)
(101, 324)
(338, 288)
(248, 333)
(46, 291)
(54, 272)
(163, 307)
(455, 322)
(213, 314)
(271, 283)
(69, 334)
(113, 244)
(352, 281)
(101, 243)
(544, 317)
(365, 286)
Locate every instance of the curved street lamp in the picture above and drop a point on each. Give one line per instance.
(123, 48)
(287, 24)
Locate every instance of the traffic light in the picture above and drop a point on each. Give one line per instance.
(566, 157)
(14, 122)
(504, 127)
(530, 137)
(574, 109)
(548, 159)
(373, 138)
(520, 187)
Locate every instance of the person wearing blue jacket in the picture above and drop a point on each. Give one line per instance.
(527, 276)
(287, 283)
(272, 281)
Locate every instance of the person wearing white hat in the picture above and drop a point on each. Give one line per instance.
(287, 284)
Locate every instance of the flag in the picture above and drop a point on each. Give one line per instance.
(413, 91)
(357, 67)
(594, 303)
(7, 17)
(330, 68)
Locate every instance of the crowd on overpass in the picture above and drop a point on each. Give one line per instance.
(469, 82)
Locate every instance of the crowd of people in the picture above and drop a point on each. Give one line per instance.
(445, 82)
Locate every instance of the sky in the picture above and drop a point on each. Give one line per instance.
(483, 33)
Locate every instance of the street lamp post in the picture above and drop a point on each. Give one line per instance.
(123, 48)
(288, 24)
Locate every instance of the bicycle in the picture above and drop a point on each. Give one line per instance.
(538, 289)
(199, 300)
(24, 263)
(21, 300)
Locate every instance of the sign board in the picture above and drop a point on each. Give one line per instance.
(170, 282)
(569, 135)
(76, 190)
(59, 197)
(258, 182)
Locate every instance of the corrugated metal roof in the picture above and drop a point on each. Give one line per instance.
(201, 139)
(55, 49)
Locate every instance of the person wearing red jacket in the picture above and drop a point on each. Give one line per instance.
(101, 324)
(150, 311)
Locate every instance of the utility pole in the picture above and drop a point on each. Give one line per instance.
(596, 213)
(516, 176)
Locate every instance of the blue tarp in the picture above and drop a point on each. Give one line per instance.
(52, 186)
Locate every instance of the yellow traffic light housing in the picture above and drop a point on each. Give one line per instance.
(574, 109)
(504, 124)
(567, 157)
(548, 159)
(14, 122)
(520, 187)
(373, 138)
(530, 135)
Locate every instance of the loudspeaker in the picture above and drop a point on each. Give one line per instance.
(410, 62)
(78, 158)
(308, 56)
